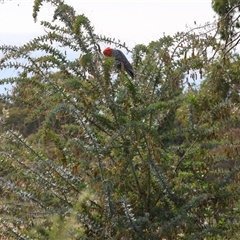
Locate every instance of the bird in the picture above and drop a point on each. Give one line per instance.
(120, 57)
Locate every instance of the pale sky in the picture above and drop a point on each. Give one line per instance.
(130, 21)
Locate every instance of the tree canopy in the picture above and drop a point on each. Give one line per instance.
(228, 21)
(89, 153)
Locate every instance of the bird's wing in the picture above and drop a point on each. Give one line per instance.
(119, 56)
(130, 72)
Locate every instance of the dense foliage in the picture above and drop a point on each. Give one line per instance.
(88, 153)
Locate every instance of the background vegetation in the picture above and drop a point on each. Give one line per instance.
(88, 153)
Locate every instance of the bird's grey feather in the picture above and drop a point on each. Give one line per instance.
(119, 56)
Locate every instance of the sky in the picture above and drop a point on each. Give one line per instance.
(130, 21)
